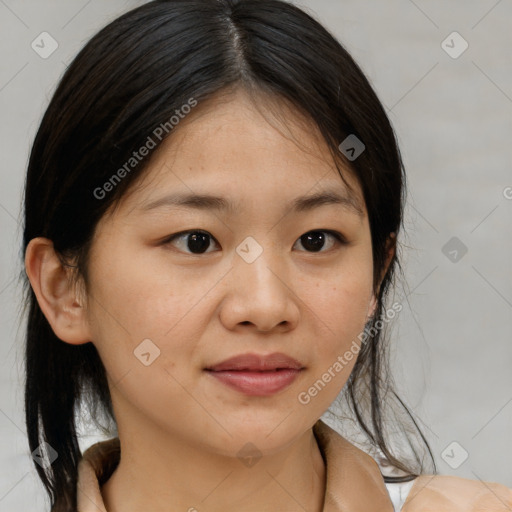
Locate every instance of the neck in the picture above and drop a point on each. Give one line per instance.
(163, 474)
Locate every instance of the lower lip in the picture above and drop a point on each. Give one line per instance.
(257, 383)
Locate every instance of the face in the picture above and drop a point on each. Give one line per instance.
(176, 289)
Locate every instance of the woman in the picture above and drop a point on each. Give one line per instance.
(212, 207)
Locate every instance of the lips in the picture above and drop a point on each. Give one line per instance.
(257, 375)
(257, 363)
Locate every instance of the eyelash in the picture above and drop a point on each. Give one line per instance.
(335, 234)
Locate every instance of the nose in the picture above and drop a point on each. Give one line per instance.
(260, 296)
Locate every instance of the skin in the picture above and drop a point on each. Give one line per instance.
(180, 428)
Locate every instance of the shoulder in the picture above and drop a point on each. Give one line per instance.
(455, 494)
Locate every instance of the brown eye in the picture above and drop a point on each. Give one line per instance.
(314, 241)
(194, 242)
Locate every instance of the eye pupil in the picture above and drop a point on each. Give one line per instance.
(313, 240)
(199, 242)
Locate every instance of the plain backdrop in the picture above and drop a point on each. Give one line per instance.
(451, 108)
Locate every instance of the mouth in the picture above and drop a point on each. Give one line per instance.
(257, 363)
(257, 375)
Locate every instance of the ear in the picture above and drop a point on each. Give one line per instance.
(390, 252)
(55, 294)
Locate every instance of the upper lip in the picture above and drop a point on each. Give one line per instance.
(256, 362)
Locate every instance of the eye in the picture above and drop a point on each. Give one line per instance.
(195, 241)
(314, 240)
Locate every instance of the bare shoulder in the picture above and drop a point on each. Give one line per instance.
(455, 494)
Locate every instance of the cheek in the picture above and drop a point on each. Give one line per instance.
(141, 335)
(340, 299)
(131, 302)
(340, 304)
(141, 297)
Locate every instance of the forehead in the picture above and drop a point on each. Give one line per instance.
(240, 149)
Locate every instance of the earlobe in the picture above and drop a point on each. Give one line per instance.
(55, 294)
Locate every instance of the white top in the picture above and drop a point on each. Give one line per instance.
(398, 493)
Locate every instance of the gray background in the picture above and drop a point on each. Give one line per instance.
(452, 343)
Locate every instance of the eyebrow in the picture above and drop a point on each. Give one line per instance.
(301, 204)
